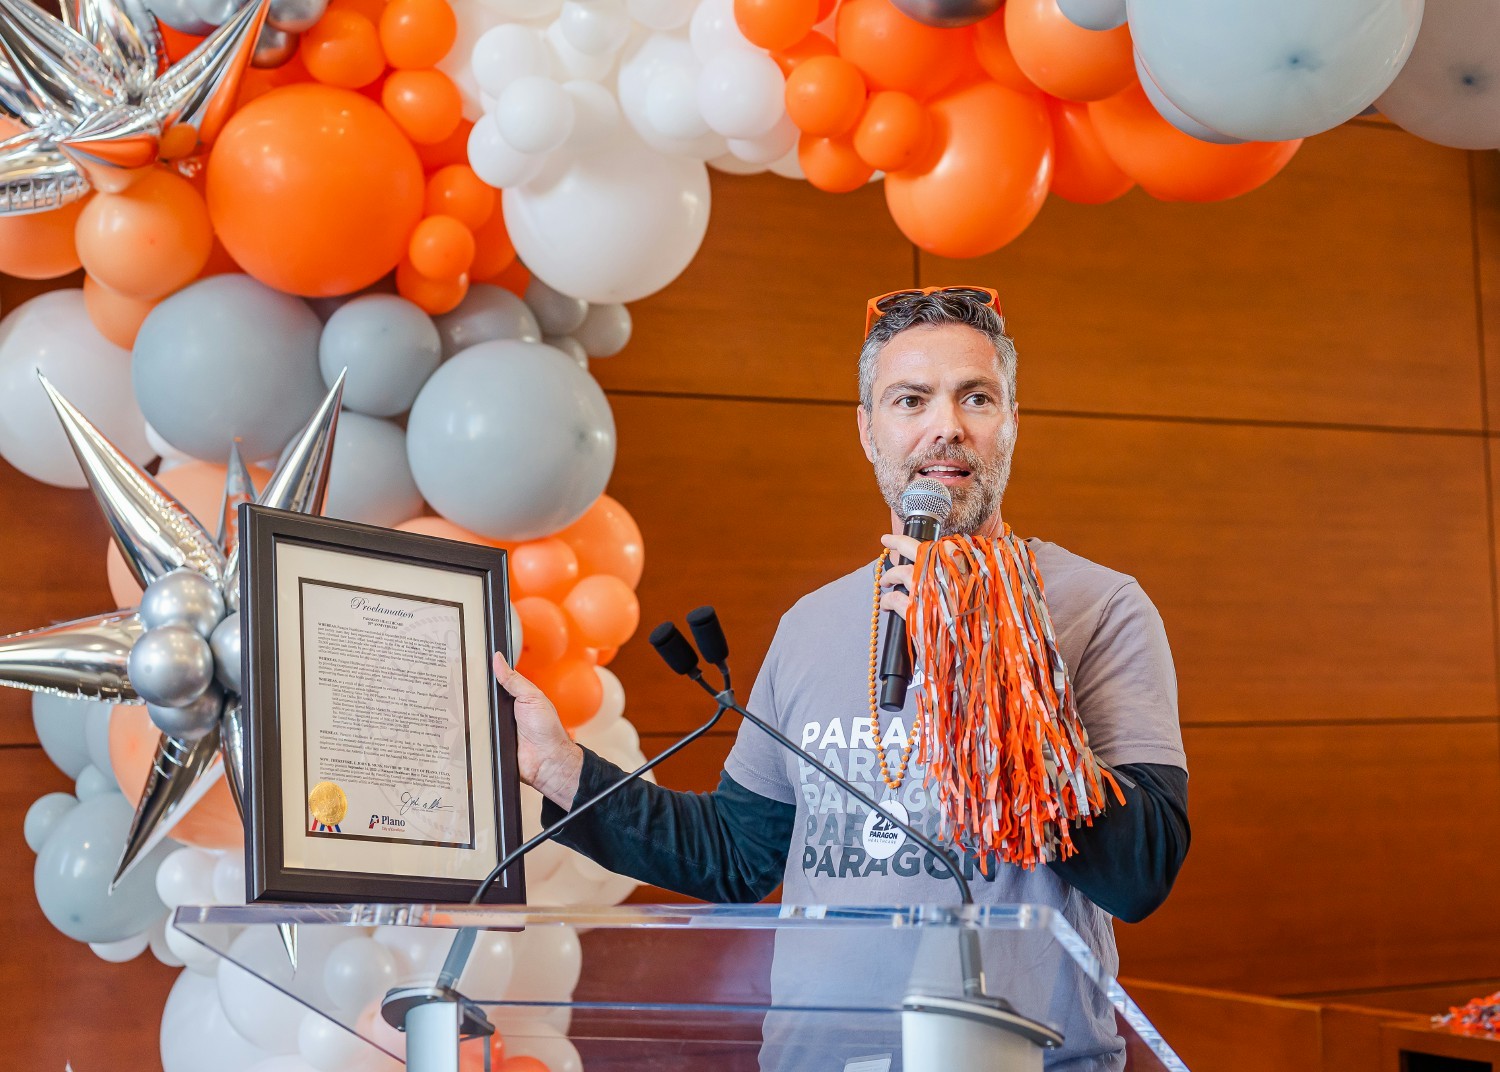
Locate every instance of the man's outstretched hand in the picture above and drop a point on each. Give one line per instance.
(549, 761)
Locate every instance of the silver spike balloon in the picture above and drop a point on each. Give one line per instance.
(288, 932)
(239, 487)
(87, 657)
(125, 34)
(62, 72)
(200, 90)
(232, 747)
(155, 533)
(35, 177)
(111, 146)
(181, 773)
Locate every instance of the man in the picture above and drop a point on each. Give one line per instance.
(937, 381)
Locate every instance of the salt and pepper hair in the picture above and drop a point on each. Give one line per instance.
(932, 310)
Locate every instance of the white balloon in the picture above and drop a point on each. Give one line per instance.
(713, 29)
(547, 1044)
(641, 64)
(186, 878)
(1270, 70)
(525, 9)
(730, 164)
(788, 167)
(672, 104)
(534, 114)
(568, 62)
(258, 1004)
(123, 950)
(1449, 90)
(770, 147)
(474, 22)
(357, 972)
(198, 958)
(196, 1036)
(543, 862)
(619, 743)
(229, 879)
(1175, 115)
(53, 333)
(619, 223)
(1094, 14)
(505, 53)
(741, 93)
(661, 14)
(158, 944)
(330, 1047)
(594, 27)
(419, 951)
(44, 815)
(605, 330)
(548, 962)
(92, 782)
(495, 161)
(596, 115)
(490, 965)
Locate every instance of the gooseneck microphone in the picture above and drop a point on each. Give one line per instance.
(925, 505)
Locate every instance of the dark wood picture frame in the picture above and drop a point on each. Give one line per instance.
(267, 877)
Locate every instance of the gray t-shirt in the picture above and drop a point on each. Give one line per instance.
(814, 686)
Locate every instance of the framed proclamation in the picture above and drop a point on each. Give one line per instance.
(380, 754)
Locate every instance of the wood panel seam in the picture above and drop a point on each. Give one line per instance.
(1475, 253)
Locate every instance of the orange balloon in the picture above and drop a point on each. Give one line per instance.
(219, 262)
(831, 164)
(1173, 166)
(343, 49)
(814, 44)
(257, 82)
(514, 277)
(457, 191)
(433, 296)
(994, 55)
(424, 104)
(40, 245)
(602, 611)
(1082, 171)
(825, 95)
(897, 52)
(149, 239)
(604, 656)
(313, 190)
(454, 149)
(775, 24)
(417, 33)
(606, 539)
(443, 529)
(574, 689)
(117, 316)
(441, 248)
(370, 9)
(522, 1064)
(892, 132)
(547, 568)
(212, 823)
(177, 44)
(544, 634)
(985, 177)
(493, 251)
(1064, 59)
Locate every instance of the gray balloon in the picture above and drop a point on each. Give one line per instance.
(295, 16)
(570, 346)
(75, 866)
(947, 14)
(96, 736)
(225, 357)
(1094, 14)
(93, 782)
(170, 666)
(556, 313)
(487, 313)
(190, 721)
(273, 48)
(44, 815)
(213, 12)
(605, 331)
(182, 597)
(511, 440)
(390, 347)
(370, 480)
(181, 15)
(59, 722)
(225, 644)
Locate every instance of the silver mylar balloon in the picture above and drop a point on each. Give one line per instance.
(273, 48)
(126, 35)
(171, 666)
(232, 745)
(214, 12)
(200, 90)
(87, 658)
(225, 644)
(35, 177)
(296, 16)
(192, 721)
(62, 72)
(112, 146)
(181, 16)
(182, 597)
(181, 773)
(947, 13)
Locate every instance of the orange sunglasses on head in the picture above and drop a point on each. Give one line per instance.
(876, 308)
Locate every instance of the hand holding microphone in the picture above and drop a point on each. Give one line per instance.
(925, 505)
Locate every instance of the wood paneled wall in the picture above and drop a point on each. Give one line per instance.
(1275, 412)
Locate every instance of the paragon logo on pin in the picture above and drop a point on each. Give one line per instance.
(881, 836)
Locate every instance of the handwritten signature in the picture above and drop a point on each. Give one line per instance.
(414, 802)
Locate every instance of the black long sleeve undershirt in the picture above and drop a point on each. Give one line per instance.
(731, 845)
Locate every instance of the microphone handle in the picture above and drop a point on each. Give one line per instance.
(895, 652)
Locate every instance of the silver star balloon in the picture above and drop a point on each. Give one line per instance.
(189, 585)
(95, 102)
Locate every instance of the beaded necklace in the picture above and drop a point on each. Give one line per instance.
(916, 727)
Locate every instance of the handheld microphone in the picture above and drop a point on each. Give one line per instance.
(925, 505)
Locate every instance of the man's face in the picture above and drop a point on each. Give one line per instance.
(940, 409)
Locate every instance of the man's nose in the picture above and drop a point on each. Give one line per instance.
(947, 427)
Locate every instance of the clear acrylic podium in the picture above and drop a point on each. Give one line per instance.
(760, 988)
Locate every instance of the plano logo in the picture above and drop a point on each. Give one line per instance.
(384, 821)
(882, 837)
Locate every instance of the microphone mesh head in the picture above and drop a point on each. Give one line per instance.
(926, 496)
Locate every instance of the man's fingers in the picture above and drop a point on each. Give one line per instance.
(901, 575)
(903, 545)
(514, 683)
(896, 601)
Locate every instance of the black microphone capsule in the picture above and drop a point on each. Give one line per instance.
(708, 634)
(674, 648)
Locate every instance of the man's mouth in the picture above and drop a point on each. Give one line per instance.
(945, 474)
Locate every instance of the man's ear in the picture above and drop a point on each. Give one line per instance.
(862, 418)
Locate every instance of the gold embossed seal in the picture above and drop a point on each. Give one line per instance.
(328, 803)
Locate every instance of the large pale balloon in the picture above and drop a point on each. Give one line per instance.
(619, 223)
(1449, 90)
(658, 89)
(511, 440)
(1273, 70)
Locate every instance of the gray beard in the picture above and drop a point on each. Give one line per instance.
(973, 505)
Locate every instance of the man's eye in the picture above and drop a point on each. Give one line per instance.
(979, 399)
(908, 402)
